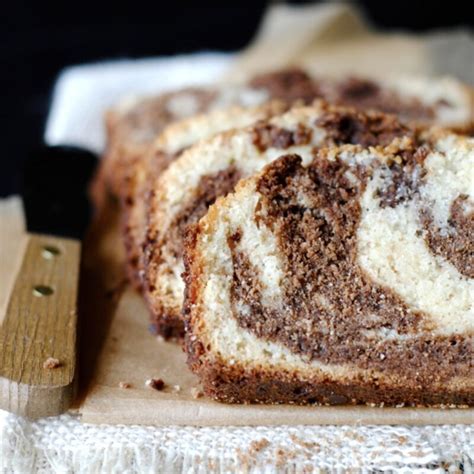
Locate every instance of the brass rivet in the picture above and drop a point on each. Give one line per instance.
(49, 252)
(42, 290)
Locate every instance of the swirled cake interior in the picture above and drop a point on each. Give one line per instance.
(348, 279)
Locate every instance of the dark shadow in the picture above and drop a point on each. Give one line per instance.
(102, 283)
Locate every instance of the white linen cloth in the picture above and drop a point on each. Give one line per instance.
(83, 93)
(65, 445)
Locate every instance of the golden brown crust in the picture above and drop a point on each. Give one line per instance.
(234, 384)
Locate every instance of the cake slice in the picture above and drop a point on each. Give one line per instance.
(343, 277)
(211, 168)
(420, 100)
(169, 145)
(134, 123)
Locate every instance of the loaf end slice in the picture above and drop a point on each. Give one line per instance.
(347, 279)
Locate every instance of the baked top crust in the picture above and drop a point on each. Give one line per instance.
(341, 276)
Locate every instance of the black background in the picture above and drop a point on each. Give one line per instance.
(39, 38)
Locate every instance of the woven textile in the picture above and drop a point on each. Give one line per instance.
(64, 444)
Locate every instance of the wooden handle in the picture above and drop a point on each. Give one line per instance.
(38, 334)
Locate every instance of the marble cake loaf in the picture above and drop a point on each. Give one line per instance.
(135, 123)
(344, 276)
(137, 153)
(211, 168)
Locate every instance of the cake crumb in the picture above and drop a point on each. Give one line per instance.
(196, 393)
(156, 384)
(176, 388)
(160, 338)
(125, 385)
(51, 363)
